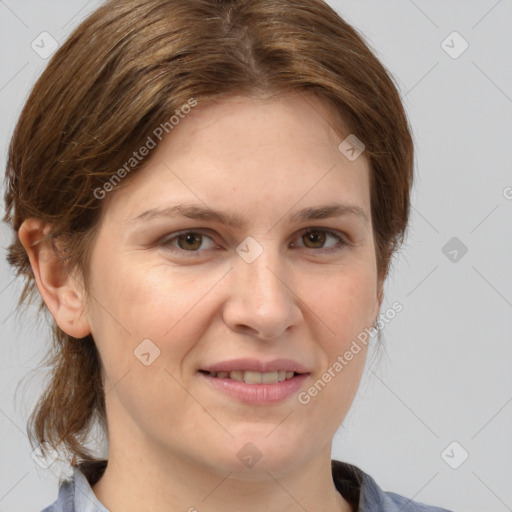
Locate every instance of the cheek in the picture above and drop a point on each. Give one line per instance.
(135, 302)
(135, 299)
(344, 302)
(345, 306)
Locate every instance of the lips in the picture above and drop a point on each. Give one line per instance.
(256, 394)
(254, 381)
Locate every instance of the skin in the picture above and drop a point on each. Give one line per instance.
(173, 439)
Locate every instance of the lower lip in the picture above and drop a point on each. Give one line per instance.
(258, 393)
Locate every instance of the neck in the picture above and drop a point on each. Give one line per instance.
(156, 480)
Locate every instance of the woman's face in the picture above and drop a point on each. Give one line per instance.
(174, 296)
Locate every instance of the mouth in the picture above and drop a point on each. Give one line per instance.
(255, 388)
(252, 377)
(255, 381)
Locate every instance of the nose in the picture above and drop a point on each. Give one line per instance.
(262, 301)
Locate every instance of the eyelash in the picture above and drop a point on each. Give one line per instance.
(167, 240)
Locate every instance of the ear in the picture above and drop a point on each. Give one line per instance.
(63, 294)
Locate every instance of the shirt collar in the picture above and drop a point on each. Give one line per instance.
(85, 500)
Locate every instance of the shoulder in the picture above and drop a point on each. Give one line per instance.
(392, 502)
(368, 496)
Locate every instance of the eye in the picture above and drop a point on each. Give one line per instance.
(191, 241)
(188, 241)
(318, 236)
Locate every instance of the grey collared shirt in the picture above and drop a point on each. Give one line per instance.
(355, 485)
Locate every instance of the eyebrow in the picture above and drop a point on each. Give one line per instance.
(232, 220)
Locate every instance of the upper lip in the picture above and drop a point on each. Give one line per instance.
(255, 365)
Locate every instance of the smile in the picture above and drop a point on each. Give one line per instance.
(255, 388)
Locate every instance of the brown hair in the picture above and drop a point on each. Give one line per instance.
(126, 70)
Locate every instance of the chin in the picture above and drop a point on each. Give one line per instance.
(256, 452)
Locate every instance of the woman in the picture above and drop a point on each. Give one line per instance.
(207, 196)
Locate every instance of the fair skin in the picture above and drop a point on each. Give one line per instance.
(174, 439)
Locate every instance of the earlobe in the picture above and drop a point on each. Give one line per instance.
(63, 295)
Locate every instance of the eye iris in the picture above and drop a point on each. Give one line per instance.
(190, 238)
(316, 237)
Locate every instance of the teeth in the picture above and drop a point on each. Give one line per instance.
(236, 375)
(269, 378)
(254, 377)
(250, 377)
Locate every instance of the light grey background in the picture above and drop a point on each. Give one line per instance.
(445, 373)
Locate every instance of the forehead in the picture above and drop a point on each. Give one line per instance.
(242, 154)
